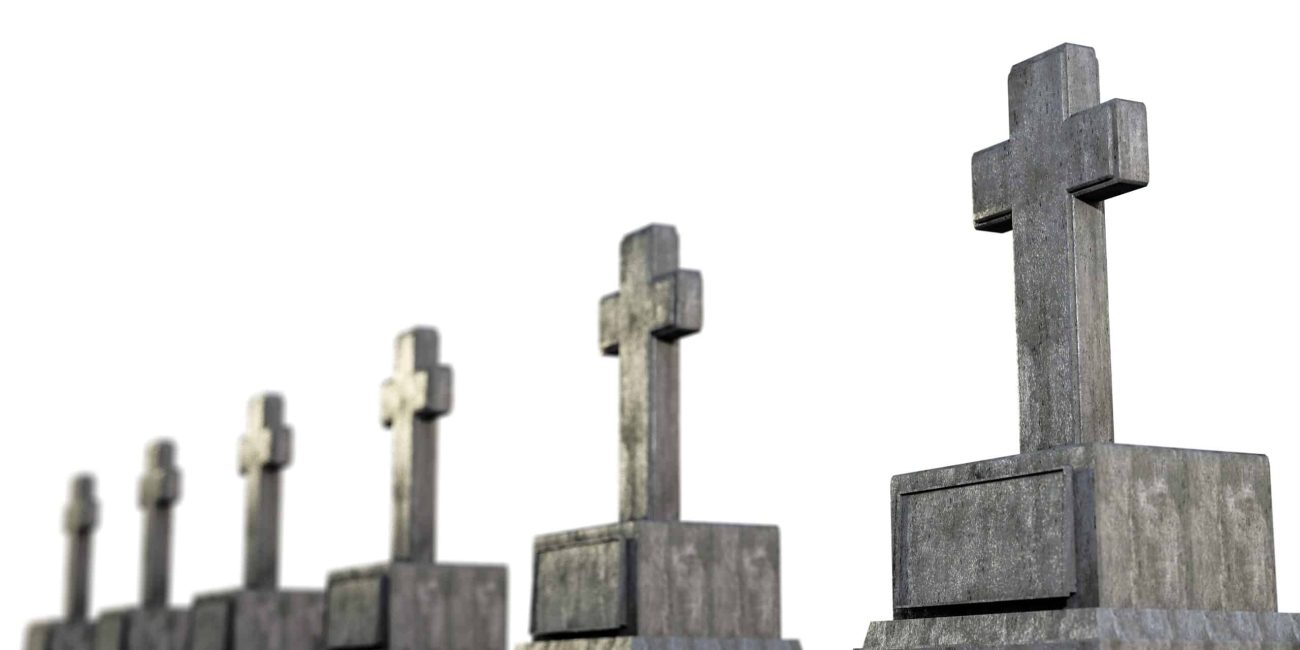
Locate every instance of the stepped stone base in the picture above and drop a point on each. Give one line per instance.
(417, 606)
(661, 643)
(1089, 629)
(257, 620)
(59, 635)
(142, 629)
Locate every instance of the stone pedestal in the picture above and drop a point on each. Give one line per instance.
(142, 629)
(649, 584)
(1086, 546)
(417, 606)
(258, 620)
(59, 635)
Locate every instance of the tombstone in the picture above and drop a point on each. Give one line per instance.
(153, 625)
(73, 631)
(1077, 542)
(260, 616)
(412, 602)
(652, 581)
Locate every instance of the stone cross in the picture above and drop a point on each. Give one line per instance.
(160, 489)
(264, 450)
(1067, 153)
(657, 303)
(413, 399)
(80, 519)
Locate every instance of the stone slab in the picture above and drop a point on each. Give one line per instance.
(258, 620)
(59, 635)
(996, 540)
(147, 629)
(661, 643)
(1112, 629)
(417, 606)
(1153, 528)
(658, 579)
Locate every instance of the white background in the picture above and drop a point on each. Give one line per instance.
(203, 201)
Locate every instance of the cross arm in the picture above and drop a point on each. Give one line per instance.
(990, 169)
(437, 393)
(161, 483)
(609, 324)
(1110, 150)
(82, 514)
(160, 487)
(679, 304)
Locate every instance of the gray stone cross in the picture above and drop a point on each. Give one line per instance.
(413, 399)
(80, 519)
(160, 488)
(1067, 153)
(657, 303)
(264, 450)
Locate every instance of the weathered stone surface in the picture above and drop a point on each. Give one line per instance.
(59, 635)
(258, 620)
(1009, 538)
(659, 579)
(412, 400)
(652, 581)
(417, 606)
(660, 643)
(1100, 628)
(160, 489)
(656, 305)
(73, 631)
(264, 452)
(135, 629)
(1066, 154)
(1153, 527)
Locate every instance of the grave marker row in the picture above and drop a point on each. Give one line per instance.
(1076, 542)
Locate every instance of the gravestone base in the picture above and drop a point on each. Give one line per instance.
(257, 620)
(59, 635)
(417, 606)
(1092, 628)
(661, 643)
(656, 583)
(142, 629)
(1085, 526)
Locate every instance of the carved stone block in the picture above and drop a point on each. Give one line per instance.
(417, 606)
(658, 579)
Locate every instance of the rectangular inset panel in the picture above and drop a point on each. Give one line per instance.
(356, 612)
(212, 624)
(580, 589)
(1007, 539)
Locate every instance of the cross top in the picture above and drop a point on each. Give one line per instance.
(268, 442)
(420, 386)
(1067, 153)
(411, 402)
(657, 304)
(82, 513)
(160, 487)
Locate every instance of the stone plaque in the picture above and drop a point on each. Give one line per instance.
(999, 540)
(364, 600)
(586, 589)
(211, 625)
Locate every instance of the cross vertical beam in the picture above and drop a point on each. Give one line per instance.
(80, 519)
(264, 451)
(412, 400)
(160, 488)
(1066, 155)
(657, 304)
